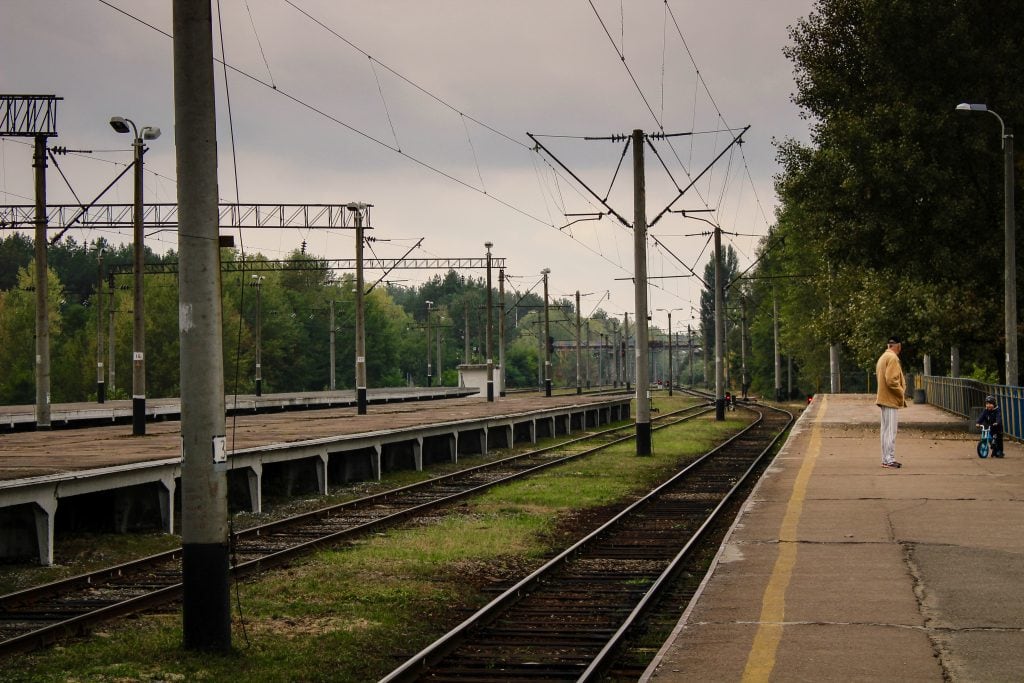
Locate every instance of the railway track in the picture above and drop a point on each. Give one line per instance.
(568, 620)
(45, 614)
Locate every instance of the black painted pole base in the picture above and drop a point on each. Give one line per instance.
(361, 401)
(719, 409)
(101, 392)
(547, 387)
(430, 380)
(490, 390)
(139, 416)
(579, 390)
(206, 597)
(643, 438)
(259, 387)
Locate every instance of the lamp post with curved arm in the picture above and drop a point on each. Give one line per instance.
(121, 125)
(1009, 246)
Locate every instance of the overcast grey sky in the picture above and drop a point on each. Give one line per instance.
(455, 85)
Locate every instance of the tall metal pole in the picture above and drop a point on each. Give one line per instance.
(626, 348)
(101, 387)
(547, 337)
(589, 355)
(501, 329)
(1010, 265)
(643, 383)
(719, 330)
(487, 334)
(357, 209)
(138, 305)
(465, 330)
(689, 344)
(206, 614)
(429, 368)
(440, 373)
(42, 290)
(778, 356)
(334, 374)
(744, 382)
(670, 375)
(579, 385)
(257, 282)
(111, 336)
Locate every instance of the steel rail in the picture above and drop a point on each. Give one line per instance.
(78, 623)
(431, 655)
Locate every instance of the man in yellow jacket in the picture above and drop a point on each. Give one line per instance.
(892, 389)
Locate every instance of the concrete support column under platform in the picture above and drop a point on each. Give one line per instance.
(254, 475)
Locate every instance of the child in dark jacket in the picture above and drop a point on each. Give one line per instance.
(992, 417)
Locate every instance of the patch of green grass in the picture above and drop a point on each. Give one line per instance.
(353, 614)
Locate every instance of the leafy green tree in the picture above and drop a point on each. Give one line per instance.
(17, 336)
(893, 211)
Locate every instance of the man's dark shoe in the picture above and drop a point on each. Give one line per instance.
(892, 465)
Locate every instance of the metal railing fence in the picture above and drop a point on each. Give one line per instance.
(966, 398)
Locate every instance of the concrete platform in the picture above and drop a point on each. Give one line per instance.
(840, 570)
(87, 414)
(131, 481)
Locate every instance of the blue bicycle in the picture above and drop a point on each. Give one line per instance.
(985, 443)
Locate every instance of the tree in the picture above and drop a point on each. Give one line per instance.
(893, 211)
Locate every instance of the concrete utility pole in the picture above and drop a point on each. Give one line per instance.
(579, 385)
(111, 337)
(547, 336)
(334, 374)
(640, 295)
(465, 331)
(487, 334)
(429, 369)
(101, 387)
(501, 329)
(833, 368)
(719, 330)
(206, 615)
(775, 337)
(590, 358)
(744, 381)
(626, 348)
(670, 375)
(357, 210)
(42, 290)
(689, 348)
(257, 282)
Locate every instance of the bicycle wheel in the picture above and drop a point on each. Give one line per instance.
(983, 448)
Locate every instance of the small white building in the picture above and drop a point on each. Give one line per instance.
(474, 376)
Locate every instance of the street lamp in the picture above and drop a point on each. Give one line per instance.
(121, 124)
(257, 282)
(547, 336)
(1009, 245)
(490, 360)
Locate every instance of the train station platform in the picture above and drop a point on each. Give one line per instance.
(131, 482)
(839, 569)
(83, 414)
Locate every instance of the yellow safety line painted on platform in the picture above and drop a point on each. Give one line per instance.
(761, 660)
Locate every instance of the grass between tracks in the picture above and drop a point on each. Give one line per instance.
(354, 613)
